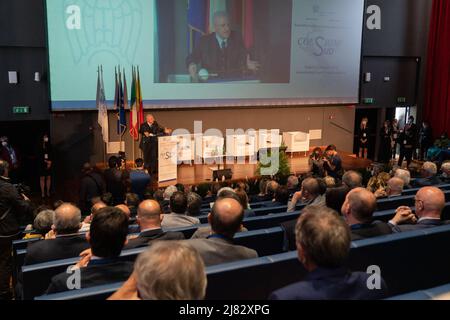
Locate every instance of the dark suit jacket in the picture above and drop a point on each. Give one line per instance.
(63, 247)
(374, 229)
(146, 237)
(139, 182)
(426, 182)
(289, 235)
(331, 284)
(218, 250)
(155, 129)
(116, 184)
(98, 272)
(230, 62)
(423, 224)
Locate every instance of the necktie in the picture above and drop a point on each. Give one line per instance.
(224, 44)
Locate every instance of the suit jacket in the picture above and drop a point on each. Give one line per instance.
(423, 224)
(374, 229)
(63, 247)
(331, 284)
(98, 272)
(175, 220)
(146, 237)
(205, 232)
(219, 250)
(230, 62)
(139, 182)
(426, 182)
(155, 130)
(116, 184)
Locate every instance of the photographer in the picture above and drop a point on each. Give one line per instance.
(316, 163)
(333, 163)
(14, 207)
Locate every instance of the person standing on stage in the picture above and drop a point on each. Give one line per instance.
(407, 140)
(363, 137)
(385, 142)
(394, 137)
(45, 166)
(150, 131)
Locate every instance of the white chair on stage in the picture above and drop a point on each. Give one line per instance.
(209, 148)
(241, 146)
(296, 142)
(268, 139)
(185, 148)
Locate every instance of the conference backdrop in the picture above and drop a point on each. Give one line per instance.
(194, 53)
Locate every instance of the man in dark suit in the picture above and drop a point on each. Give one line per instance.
(149, 220)
(139, 179)
(92, 186)
(358, 209)
(225, 219)
(445, 176)
(116, 180)
(63, 241)
(429, 203)
(428, 176)
(222, 53)
(323, 244)
(150, 131)
(100, 265)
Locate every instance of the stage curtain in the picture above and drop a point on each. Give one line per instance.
(437, 98)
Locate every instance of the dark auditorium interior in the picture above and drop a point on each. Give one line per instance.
(231, 150)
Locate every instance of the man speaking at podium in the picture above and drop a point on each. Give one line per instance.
(150, 131)
(222, 54)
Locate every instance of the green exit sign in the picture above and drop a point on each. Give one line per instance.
(401, 100)
(21, 110)
(369, 100)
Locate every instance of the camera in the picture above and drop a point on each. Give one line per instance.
(22, 188)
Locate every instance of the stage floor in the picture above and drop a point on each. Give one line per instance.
(201, 173)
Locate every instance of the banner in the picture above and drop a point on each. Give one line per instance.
(167, 159)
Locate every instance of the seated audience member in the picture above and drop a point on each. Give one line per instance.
(178, 217)
(168, 192)
(271, 188)
(377, 186)
(91, 185)
(394, 187)
(171, 270)
(63, 241)
(125, 210)
(262, 195)
(445, 176)
(405, 176)
(309, 195)
(428, 176)
(139, 179)
(323, 244)
(202, 190)
(42, 225)
(115, 180)
(330, 182)
(87, 221)
(149, 220)
(358, 209)
(429, 203)
(107, 198)
(107, 236)
(335, 197)
(292, 185)
(225, 219)
(281, 197)
(194, 204)
(132, 202)
(243, 199)
(352, 179)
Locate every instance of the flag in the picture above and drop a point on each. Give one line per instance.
(121, 120)
(102, 107)
(141, 101)
(212, 7)
(196, 22)
(134, 116)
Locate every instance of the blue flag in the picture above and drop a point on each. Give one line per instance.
(121, 121)
(196, 22)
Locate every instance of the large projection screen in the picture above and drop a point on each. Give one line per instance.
(206, 53)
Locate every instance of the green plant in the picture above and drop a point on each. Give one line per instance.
(280, 172)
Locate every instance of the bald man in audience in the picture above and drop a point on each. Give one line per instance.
(225, 219)
(308, 195)
(429, 203)
(352, 179)
(394, 187)
(445, 176)
(124, 209)
(357, 210)
(64, 241)
(149, 219)
(85, 226)
(405, 176)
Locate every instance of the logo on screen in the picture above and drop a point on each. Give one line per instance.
(103, 30)
(319, 45)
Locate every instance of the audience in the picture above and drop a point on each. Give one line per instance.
(132, 202)
(63, 241)
(225, 219)
(100, 265)
(139, 178)
(243, 199)
(352, 180)
(445, 176)
(292, 185)
(308, 195)
(171, 270)
(42, 224)
(394, 187)
(429, 203)
(149, 220)
(194, 204)
(323, 244)
(167, 194)
(405, 176)
(358, 209)
(428, 176)
(178, 217)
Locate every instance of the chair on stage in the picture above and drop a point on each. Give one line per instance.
(209, 148)
(296, 142)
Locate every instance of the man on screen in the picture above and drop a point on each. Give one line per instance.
(150, 131)
(222, 54)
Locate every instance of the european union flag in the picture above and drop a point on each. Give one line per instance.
(196, 21)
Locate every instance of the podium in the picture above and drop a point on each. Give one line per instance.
(296, 142)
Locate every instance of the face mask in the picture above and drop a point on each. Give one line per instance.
(4, 143)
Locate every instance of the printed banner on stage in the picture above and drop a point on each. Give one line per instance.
(167, 164)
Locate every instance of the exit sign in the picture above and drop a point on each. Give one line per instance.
(369, 100)
(401, 100)
(21, 110)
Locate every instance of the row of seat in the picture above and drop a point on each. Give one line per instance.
(427, 294)
(408, 261)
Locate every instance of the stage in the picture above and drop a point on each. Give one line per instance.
(200, 173)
